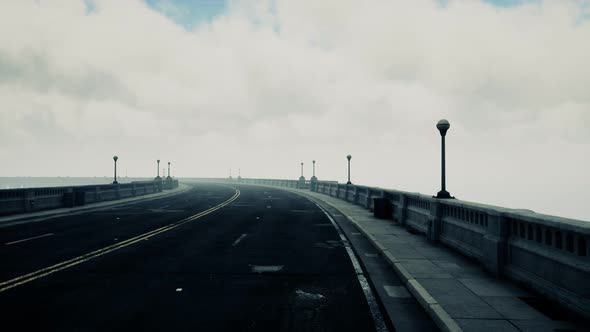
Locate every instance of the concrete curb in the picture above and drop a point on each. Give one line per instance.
(438, 314)
(49, 214)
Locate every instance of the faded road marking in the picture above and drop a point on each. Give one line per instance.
(28, 239)
(266, 268)
(237, 241)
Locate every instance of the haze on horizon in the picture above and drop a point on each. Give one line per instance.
(263, 85)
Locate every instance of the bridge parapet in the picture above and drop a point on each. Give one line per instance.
(14, 201)
(549, 254)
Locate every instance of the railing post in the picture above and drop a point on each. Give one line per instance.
(69, 198)
(368, 198)
(29, 200)
(434, 221)
(403, 209)
(495, 243)
(97, 197)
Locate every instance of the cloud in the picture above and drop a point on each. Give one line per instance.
(270, 83)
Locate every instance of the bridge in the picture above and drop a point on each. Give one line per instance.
(284, 255)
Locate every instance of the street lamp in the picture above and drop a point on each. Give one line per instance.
(168, 169)
(115, 158)
(158, 169)
(313, 161)
(301, 169)
(442, 126)
(348, 157)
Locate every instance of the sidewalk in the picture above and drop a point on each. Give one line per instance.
(23, 218)
(455, 291)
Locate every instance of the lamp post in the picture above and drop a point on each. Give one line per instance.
(442, 126)
(115, 158)
(349, 157)
(158, 169)
(301, 169)
(168, 169)
(313, 162)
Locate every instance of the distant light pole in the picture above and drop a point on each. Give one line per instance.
(301, 169)
(442, 126)
(349, 157)
(158, 169)
(168, 169)
(115, 158)
(313, 162)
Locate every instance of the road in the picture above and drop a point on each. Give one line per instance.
(216, 258)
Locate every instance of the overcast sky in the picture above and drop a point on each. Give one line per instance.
(263, 85)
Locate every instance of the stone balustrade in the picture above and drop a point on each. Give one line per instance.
(14, 201)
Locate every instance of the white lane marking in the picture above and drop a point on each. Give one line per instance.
(179, 289)
(268, 206)
(28, 239)
(266, 268)
(369, 296)
(238, 240)
(397, 291)
(370, 255)
(355, 234)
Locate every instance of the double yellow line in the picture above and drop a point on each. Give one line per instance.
(12, 283)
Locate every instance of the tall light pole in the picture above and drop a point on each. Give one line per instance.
(349, 157)
(115, 158)
(168, 169)
(301, 169)
(158, 169)
(313, 162)
(442, 126)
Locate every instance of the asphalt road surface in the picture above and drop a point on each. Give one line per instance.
(216, 258)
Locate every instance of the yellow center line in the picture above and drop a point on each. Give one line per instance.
(100, 252)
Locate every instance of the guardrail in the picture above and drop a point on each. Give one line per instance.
(549, 254)
(14, 201)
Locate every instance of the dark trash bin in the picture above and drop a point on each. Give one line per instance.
(382, 208)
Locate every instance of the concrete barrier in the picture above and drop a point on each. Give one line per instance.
(14, 201)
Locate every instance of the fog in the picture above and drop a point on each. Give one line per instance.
(267, 85)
